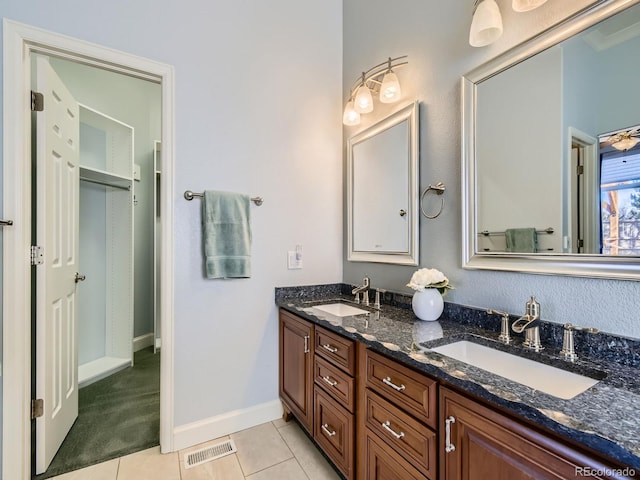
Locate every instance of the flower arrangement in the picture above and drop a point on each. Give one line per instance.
(429, 278)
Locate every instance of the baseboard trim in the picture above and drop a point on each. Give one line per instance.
(143, 341)
(211, 428)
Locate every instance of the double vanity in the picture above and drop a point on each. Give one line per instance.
(385, 395)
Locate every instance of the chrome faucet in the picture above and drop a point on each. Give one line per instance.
(568, 341)
(504, 336)
(529, 324)
(364, 289)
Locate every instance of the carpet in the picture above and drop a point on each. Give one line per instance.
(117, 415)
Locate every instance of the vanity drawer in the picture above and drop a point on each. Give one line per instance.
(334, 431)
(338, 350)
(413, 392)
(403, 433)
(382, 463)
(335, 382)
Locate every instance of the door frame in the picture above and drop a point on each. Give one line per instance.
(20, 41)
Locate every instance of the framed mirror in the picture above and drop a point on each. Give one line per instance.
(382, 190)
(546, 188)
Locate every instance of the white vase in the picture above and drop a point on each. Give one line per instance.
(427, 304)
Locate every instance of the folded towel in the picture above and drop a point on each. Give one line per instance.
(227, 234)
(522, 240)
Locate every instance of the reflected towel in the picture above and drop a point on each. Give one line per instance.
(521, 240)
(227, 234)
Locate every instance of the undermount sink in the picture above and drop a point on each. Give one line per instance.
(545, 378)
(340, 309)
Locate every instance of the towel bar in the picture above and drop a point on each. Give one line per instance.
(189, 195)
(487, 233)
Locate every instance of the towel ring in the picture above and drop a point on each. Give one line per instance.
(439, 189)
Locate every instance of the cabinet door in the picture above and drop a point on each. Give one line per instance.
(489, 445)
(296, 367)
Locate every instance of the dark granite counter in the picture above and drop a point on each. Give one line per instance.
(604, 417)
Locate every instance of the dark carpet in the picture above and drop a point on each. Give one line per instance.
(117, 415)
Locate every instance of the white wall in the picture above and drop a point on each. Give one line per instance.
(258, 111)
(435, 36)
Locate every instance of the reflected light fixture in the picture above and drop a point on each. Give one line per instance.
(526, 5)
(626, 142)
(380, 80)
(486, 24)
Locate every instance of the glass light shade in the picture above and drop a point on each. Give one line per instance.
(486, 25)
(526, 5)
(363, 100)
(350, 117)
(390, 89)
(625, 143)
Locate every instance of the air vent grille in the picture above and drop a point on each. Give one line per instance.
(208, 454)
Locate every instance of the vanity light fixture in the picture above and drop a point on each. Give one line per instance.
(486, 24)
(380, 80)
(526, 5)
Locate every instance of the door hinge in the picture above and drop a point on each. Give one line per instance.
(37, 408)
(37, 101)
(37, 255)
(580, 170)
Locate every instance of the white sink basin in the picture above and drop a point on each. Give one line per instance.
(545, 378)
(340, 309)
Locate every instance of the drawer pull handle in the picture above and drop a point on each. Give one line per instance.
(388, 381)
(306, 344)
(449, 447)
(387, 426)
(330, 348)
(330, 381)
(326, 430)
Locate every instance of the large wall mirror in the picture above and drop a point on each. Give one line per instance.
(551, 151)
(382, 190)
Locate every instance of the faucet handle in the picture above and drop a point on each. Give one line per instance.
(533, 307)
(568, 340)
(505, 336)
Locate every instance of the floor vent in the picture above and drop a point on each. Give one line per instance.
(209, 453)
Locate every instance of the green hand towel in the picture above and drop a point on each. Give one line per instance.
(227, 234)
(521, 240)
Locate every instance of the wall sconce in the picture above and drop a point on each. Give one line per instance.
(379, 80)
(486, 24)
(526, 5)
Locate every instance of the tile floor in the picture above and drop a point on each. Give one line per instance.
(273, 451)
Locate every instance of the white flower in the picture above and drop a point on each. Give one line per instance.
(429, 278)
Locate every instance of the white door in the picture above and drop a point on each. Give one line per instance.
(57, 188)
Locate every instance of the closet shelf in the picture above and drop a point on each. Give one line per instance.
(100, 176)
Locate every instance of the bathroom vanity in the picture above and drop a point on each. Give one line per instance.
(382, 405)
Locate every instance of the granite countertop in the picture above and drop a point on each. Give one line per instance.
(604, 417)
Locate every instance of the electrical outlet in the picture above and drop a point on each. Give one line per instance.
(294, 258)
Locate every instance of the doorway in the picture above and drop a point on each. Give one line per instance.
(17, 275)
(110, 229)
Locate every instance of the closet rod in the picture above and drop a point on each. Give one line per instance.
(189, 195)
(106, 184)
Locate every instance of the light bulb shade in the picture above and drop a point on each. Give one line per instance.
(526, 5)
(364, 100)
(390, 89)
(625, 143)
(486, 25)
(350, 117)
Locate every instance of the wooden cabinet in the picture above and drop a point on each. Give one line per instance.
(398, 421)
(482, 443)
(296, 368)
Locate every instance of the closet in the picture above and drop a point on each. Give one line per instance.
(105, 301)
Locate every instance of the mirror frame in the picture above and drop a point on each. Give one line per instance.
(408, 113)
(580, 265)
